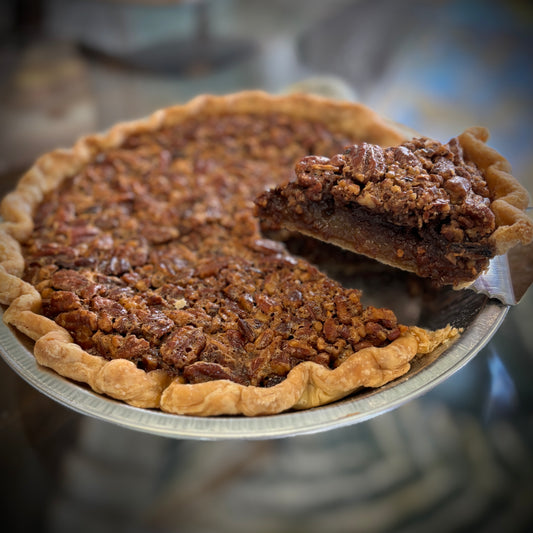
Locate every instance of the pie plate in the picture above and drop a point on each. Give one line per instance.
(478, 315)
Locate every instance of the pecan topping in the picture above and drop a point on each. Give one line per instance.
(183, 346)
(152, 253)
(419, 182)
(364, 162)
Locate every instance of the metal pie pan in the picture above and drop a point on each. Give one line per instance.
(478, 316)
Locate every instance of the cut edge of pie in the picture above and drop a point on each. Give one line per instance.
(288, 206)
(307, 385)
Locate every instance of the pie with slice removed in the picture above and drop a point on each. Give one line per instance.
(135, 262)
(441, 211)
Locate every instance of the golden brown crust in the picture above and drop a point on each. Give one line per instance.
(307, 385)
(509, 198)
(118, 378)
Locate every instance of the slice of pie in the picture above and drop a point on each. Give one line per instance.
(441, 211)
(136, 264)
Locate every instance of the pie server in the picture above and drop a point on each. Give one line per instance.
(497, 281)
(509, 276)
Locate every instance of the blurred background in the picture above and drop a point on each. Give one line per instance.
(458, 459)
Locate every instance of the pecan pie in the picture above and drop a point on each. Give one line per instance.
(136, 264)
(441, 211)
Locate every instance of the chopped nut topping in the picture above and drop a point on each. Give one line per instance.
(152, 253)
(411, 184)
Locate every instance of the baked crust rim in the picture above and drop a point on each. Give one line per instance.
(307, 385)
(510, 198)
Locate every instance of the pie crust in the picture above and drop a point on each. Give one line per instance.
(308, 384)
(440, 211)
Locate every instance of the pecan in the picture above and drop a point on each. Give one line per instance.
(236, 339)
(115, 265)
(108, 312)
(111, 307)
(69, 280)
(280, 363)
(444, 168)
(202, 371)
(246, 302)
(183, 346)
(80, 233)
(300, 349)
(330, 330)
(62, 255)
(211, 267)
(61, 301)
(246, 329)
(404, 158)
(264, 339)
(458, 188)
(81, 324)
(117, 347)
(477, 217)
(155, 325)
(157, 234)
(375, 332)
(322, 358)
(312, 172)
(347, 306)
(364, 162)
(378, 314)
(394, 334)
(267, 304)
(293, 299)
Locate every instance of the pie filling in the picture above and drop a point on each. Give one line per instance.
(419, 206)
(152, 253)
